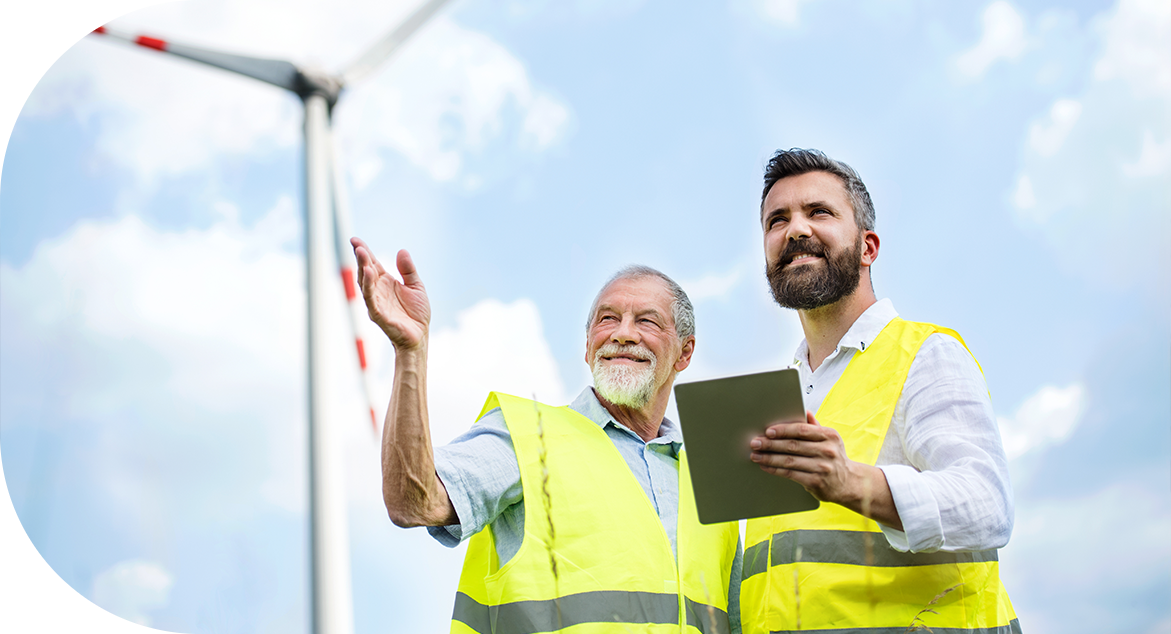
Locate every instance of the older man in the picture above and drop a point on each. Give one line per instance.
(588, 509)
(904, 444)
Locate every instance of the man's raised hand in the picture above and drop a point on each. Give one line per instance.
(400, 309)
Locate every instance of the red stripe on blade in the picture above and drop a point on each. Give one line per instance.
(348, 281)
(151, 42)
(361, 354)
(373, 419)
(100, 29)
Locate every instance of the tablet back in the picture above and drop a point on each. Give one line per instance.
(719, 418)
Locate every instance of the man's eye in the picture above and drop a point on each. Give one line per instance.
(772, 222)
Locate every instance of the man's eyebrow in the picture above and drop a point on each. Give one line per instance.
(607, 308)
(765, 215)
(818, 203)
(650, 311)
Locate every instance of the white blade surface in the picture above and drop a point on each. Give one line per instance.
(380, 52)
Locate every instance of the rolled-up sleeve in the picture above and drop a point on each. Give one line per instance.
(480, 473)
(955, 494)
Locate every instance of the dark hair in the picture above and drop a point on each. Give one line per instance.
(681, 311)
(796, 161)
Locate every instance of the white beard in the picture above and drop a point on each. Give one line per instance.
(622, 384)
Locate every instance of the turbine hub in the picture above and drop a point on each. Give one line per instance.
(313, 82)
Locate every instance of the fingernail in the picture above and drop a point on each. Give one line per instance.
(756, 443)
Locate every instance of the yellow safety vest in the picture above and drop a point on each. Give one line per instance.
(831, 569)
(615, 569)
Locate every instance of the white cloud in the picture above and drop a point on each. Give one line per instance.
(784, 12)
(712, 286)
(1046, 138)
(1136, 46)
(1106, 152)
(132, 588)
(1119, 533)
(1003, 38)
(158, 116)
(1024, 198)
(545, 121)
(494, 347)
(176, 292)
(1048, 417)
(1153, 160)
(222, 312)
(444, 98)
(445, 94)
(208, 324)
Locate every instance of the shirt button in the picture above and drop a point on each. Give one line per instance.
(809, 389)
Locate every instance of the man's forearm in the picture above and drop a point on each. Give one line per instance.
(412, 492)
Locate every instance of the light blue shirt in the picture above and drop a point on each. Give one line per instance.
(479, 470)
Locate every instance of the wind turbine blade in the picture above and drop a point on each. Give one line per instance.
(381, 51)
(347, 264)
(276, 72)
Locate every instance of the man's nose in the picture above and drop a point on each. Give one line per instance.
(799, 228)
(625, 332)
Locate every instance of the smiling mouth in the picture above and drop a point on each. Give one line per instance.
(632, 354)
(626, 357)
(802, 257)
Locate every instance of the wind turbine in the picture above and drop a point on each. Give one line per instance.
(332, 607)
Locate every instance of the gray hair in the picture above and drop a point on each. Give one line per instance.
(681, 310)
(796, 161)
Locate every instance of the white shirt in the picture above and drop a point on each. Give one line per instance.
(942, 456)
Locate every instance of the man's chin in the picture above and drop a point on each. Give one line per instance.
(634, 395)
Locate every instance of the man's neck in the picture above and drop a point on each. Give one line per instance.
(645, 421)
(825, 326)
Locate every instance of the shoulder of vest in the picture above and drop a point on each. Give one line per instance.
(524, 417)
(923, 329)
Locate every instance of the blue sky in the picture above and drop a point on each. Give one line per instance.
(152, 408)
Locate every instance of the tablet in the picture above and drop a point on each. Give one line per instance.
(719, 419)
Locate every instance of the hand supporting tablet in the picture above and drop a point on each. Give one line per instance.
(719, 419)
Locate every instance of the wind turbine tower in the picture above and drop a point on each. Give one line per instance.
(326, 221)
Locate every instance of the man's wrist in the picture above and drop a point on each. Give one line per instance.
(416, 353)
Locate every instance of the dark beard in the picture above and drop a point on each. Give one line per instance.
(806, 287)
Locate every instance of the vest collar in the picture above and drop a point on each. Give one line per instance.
(860, 335)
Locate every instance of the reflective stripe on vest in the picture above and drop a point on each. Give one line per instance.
(855, 548)
(832, 570)
(607, 607)
(616, 571)
(1013, 627)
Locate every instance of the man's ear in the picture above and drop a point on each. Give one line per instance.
(870, 244)
(685, 354)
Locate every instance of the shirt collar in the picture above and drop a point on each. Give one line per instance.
(587, 405)
(861, 334)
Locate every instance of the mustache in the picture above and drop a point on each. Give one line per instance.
(613, 349)
(797, 247)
